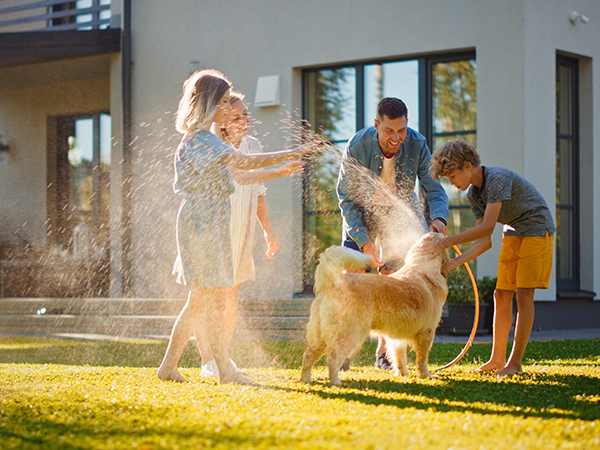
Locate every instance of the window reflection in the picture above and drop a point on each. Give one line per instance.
(394, 79)
(339, 101)
(89, 176)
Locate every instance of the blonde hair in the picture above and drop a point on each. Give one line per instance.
(453, 156)
(235, 96)
(202, 93)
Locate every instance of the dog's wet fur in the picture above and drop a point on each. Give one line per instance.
(405, 307)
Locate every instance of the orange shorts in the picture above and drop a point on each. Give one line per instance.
(525, 262)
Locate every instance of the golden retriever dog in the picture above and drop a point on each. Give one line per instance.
(405, 307)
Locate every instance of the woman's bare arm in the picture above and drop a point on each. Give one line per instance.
(258, 176)
(260, 160)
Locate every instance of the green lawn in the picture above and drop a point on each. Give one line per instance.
(75, 394)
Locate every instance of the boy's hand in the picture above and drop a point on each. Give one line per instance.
(432, 244)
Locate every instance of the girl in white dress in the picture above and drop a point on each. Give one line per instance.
(247, 203)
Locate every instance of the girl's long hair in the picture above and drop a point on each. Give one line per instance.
(202, 93)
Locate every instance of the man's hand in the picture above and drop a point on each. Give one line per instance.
(439, 227)
(371, 251)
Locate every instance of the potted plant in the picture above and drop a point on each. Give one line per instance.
(459, 313)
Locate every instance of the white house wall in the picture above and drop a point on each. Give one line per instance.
(515, 42)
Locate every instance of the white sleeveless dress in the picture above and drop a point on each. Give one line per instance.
(243, 219)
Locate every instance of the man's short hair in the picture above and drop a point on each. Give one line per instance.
(392, 108)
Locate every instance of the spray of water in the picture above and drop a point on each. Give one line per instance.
(401, 225)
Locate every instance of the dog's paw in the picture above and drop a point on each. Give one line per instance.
(428, 375)
(306, 380)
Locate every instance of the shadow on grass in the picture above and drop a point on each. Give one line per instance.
(535, 395)
(105, 429)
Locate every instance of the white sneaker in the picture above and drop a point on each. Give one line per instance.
(237, 369)
(210, 369)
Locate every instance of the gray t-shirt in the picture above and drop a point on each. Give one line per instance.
(524, 209)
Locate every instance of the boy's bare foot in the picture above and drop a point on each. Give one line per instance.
(509, 371)
(238, 379)
(490, 366)
(170, 375)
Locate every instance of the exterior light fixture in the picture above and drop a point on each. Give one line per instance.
(574, 16)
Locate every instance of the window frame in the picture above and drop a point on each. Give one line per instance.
(425, 95)
(570, 284)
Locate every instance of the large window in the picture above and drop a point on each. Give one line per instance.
(567, 169)
(440, 94)
(453, 115)
(79, 180)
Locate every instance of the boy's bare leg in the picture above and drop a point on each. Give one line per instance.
(502, 323)
(230, 317)
(525, 316)
(182, 330)
(215, 300)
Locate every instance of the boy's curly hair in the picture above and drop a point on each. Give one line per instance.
(452, 156)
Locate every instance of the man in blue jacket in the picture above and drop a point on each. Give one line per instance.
(379, 169)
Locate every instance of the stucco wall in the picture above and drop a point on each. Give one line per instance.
(515, 42)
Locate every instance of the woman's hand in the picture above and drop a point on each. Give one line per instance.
(309, 147)
(290, 168)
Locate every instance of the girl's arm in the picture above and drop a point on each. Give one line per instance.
(263, 219)
(258, 176)
(260, 160)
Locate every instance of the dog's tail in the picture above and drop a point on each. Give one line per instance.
(333, 261)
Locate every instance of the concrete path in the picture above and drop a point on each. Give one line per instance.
(536, 335)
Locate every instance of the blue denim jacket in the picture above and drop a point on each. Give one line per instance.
(412, 161)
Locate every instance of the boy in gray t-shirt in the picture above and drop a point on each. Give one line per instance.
(498, 195)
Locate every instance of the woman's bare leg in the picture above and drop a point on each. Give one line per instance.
(230, 317)
(189, 316)
(214, 326)
(231, 309)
